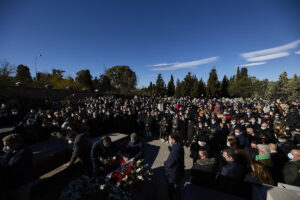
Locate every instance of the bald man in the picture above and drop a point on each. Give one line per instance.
(291, 169)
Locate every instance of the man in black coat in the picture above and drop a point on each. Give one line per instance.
(183, 129)
(174, 167)
(134, 148)
(17, 168)
(267, 132)
(241, 137)
(102, 148)
(148, 122)
(232, 173)
(191, 131)
(293, 117)
(291, 170)
(82, 150)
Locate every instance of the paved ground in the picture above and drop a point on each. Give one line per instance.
(156, 153)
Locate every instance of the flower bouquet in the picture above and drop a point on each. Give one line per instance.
(108, 165)
(120, 184)
(117, 185)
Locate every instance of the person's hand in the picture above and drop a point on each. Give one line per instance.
(67, 165)
(125, 159)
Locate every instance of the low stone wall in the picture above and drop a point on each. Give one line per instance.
(41, 93)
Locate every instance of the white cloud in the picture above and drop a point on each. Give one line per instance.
(253, 64)
(297, 52)
(274, 50)
(162, 64)
(190, 64)
(268, 57)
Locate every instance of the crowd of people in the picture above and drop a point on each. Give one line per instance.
(231, 141)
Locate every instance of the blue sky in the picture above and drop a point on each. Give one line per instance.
(153, 36)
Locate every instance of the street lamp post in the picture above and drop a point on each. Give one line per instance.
(36, 68)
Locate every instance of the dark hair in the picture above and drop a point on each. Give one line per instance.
(233, 143)
(15, 141)
(71, 134)
(230, 153)
(106, 139)
(254, 141)
(175, 136)
(204, 152)
(239, 128)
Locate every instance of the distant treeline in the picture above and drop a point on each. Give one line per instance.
(122, 80)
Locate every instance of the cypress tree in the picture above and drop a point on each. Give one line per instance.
(212, 84)
(224, 87)
(171, 87)
(160, 86)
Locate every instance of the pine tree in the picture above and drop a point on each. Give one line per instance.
(212, 84)
(160, 86)
(171, 87)
(202, 88)
(259, 88)
(150, 88)
(238, 75)
(272, 91)
(23, 74)
(244, 84)
(294, 88)
(195, 90)
(179, 89)
(282, 85)
(240, 85)
(188, 84)
(224, 87)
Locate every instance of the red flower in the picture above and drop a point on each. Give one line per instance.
(116, 177)
(122, 161)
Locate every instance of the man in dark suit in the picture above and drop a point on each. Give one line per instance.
(82, 150)
(102, 148)
(174, 167)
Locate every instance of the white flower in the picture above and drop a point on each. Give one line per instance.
(114, 158)
(102, 187)
(138, 170)
(125, 178)
(140, 177)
